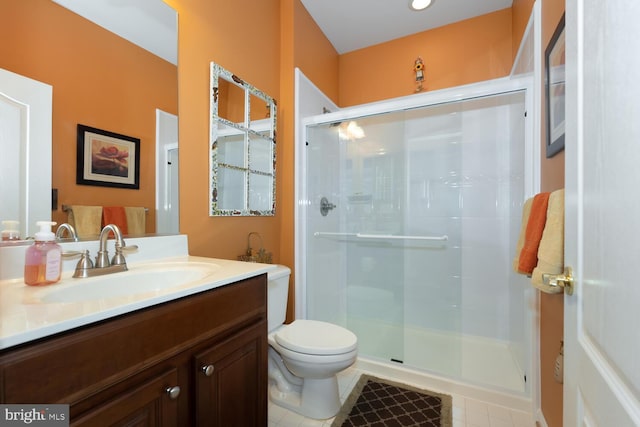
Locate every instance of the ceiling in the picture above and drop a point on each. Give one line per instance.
(151, 24)
(348, 24)
(354, 24)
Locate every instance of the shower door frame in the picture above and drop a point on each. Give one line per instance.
(532, 159)
(444, 96)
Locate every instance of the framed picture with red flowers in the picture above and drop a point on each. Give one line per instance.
(107, 159)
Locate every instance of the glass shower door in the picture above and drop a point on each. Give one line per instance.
(374, 193)
(384, 260)
(353, 280)
(410, 218)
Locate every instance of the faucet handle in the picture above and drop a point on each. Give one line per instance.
(121, 250)
(72, 254)
(84, 265)
(85, 260)
(127, 249)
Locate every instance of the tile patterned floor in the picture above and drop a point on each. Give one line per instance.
(466, 412)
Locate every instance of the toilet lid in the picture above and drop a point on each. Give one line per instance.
(315, 337)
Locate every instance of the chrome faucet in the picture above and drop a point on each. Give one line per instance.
(102, 259)
(86, 268)
(70, 231)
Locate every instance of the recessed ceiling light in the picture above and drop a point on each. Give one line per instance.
(419, 4)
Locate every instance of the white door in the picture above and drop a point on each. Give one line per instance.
(173, 190)
(25, 150)
(602, 318)
(167, 197)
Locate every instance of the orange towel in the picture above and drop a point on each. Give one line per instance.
(115, 215)
(535, 226)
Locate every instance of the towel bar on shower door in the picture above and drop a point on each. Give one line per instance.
(379, 236)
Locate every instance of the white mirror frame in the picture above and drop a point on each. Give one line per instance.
(249, 130)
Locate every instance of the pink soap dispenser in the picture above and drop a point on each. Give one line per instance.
(43, 260)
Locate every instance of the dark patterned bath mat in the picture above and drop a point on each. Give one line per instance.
(376, 402)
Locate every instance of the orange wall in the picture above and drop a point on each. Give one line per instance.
(552, 177)
(99, 80)
(285, 177)
(521, 12)
(551, 306)
(304, 46)
(465, 52)
(287, 38)
(314, 54)
(216, 30)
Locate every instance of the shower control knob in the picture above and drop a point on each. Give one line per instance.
(207, 370)
(326, 206)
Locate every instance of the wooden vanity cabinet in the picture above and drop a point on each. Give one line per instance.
(196, 361)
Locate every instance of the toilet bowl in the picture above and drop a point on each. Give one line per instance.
(304, 356)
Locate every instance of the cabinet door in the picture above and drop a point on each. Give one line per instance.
(153, 403)
(231, 381)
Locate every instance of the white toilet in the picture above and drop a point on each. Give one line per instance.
(304, 356)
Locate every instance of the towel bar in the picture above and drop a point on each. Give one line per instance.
(379, 236)
(67, 208)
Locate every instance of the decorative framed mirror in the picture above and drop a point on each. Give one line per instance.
(242, 147)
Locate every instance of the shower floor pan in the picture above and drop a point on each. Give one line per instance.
(477, 360)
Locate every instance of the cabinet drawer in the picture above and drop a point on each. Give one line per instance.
(148, 404)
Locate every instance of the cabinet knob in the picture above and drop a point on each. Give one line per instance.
(207, 370)
(173, 392)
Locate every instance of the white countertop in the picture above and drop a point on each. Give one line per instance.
(26, 315)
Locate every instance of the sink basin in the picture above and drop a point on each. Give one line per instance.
(140, 279)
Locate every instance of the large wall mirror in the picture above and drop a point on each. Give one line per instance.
(242, 148)
(111, 65)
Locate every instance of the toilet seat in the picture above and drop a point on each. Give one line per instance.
(314, 337)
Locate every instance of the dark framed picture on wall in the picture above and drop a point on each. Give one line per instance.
(107, 159)
(555, 90)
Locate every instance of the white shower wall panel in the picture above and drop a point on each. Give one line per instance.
(486, 218)
(433, 270)
(459, 178)
(491, 291)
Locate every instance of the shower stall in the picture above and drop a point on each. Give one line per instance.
(408, 215)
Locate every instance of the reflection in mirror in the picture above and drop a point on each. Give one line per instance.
(260, 109)
(230, 100)
(242, 148)
(56, 43)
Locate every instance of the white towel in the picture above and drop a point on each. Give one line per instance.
(136, 220)
(551, 249)
(526, 211)
(87, 220)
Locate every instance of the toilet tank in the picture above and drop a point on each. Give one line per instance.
(277, 295)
